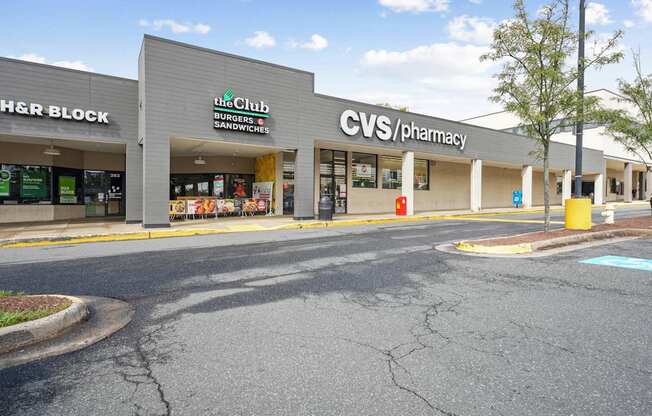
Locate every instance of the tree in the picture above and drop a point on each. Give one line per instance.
(537, 76)
(402, 108)
(632, 127)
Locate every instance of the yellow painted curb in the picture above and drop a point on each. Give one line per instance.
(145, 235)
(507, 249)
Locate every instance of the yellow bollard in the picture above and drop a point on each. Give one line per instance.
(578, 214)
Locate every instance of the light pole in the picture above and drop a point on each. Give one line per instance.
(579, 126)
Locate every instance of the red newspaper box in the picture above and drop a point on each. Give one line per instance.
(401, 205)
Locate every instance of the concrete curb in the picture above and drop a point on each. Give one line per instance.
(525, 248)
(107, 316)
(147, 235)
(28, 333)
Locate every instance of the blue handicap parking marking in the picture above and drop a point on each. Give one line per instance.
(624, 262)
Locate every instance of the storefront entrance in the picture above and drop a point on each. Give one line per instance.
(332, 178)
(103, 194)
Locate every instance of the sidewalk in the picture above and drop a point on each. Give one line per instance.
(106, 229)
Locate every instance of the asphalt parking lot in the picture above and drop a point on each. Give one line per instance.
(363, 320)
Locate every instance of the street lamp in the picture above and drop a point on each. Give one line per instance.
(579, 126)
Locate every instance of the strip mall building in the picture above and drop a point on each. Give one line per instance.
(201, 123)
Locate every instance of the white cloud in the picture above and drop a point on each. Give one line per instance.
(643, 9)
(438, 60)
(316, 43)
(475, 1)
(176, 27)
(442, 79)
(628, 23)
(478, 30)
(597, 13)
(415, 6)
(78, 65)
(599, 41)
(261, 39)
(32, 57)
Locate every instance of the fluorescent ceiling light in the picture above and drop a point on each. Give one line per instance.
(200, 161)
(52, 151)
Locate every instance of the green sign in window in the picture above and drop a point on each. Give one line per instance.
(33, 184)
(5, 182)
(67, 190)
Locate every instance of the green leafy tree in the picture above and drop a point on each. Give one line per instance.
(402, 108)
(632, 127)
(537, 78)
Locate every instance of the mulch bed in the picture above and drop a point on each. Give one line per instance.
(32, 303)
(644, 223)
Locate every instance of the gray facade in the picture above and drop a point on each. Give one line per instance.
(173, 99)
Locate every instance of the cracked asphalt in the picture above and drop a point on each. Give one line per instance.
(354, 321)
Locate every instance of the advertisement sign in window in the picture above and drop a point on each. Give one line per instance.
(5, 182)
(67, 187)
(218, 186)
(33, 184)
(263, 190)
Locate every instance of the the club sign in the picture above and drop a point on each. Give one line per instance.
(381, 126)
(240, 114)
(53, 111)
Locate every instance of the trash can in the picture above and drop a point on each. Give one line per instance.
(325, 208)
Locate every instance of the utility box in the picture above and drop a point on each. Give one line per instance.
(401, 205)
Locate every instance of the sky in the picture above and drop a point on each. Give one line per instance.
(422, 54)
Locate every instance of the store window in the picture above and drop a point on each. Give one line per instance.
(240, 186)
(220, 185)
(190, 185)
(364, 170)
(615, 186)
(24, 184)
(421, 174)
(391, 171)
(288, 182)
(68, 186)
(559, 181)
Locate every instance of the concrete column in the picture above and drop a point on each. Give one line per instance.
(566, 186)
(648, 185)
(349, 179)
(304, 185)
(156, 182)
(278, 184)
(598, 190)
(476, 185)
(133, 192)
(526, 186)
(316, 183)
(407, 180)
(627, 179)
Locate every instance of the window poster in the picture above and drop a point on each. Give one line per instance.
(263, 190)
(33, 184)
(67, 187)
(5, 182)
(363, 170)
(239, 188)
(218, 186)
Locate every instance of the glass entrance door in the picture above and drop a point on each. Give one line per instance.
(103, 194)
(332, 178)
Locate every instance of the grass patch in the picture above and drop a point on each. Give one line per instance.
(7, 293)
(16, 308)
(13, 318)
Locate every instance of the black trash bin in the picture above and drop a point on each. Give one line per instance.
(325, 208)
